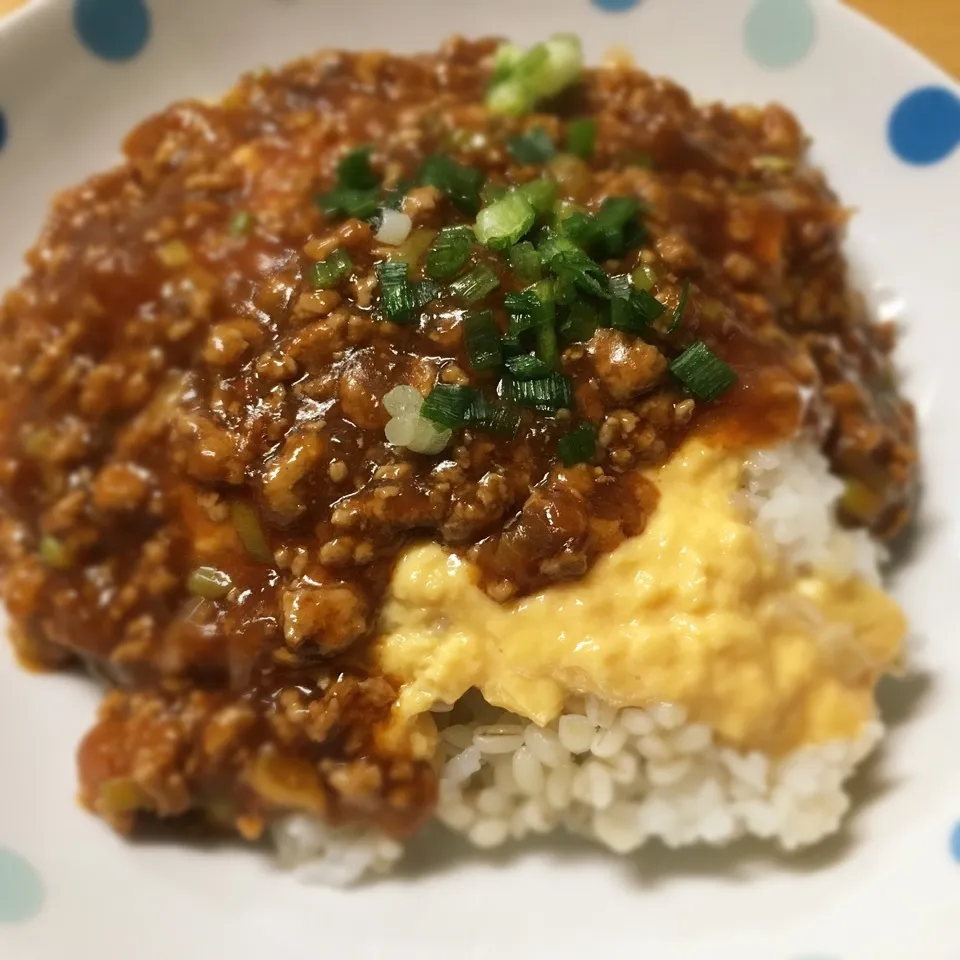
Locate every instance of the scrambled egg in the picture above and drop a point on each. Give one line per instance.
(695, 611)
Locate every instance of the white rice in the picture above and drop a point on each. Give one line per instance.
(625, 776)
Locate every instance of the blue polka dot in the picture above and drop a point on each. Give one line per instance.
(955, 842)
(925, 126)
(616, 6)
(112, 29)
(21, 890)
(780, 33)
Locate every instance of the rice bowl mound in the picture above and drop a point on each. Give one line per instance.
(470, 436)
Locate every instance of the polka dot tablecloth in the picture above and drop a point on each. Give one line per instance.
(922, 129)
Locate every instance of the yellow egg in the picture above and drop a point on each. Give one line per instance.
(697, 611)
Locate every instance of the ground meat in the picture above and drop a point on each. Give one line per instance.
(327, 616)
(178, 395)
(626, 366)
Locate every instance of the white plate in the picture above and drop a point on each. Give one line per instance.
(889, 887)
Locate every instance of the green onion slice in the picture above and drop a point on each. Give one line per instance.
(492, 416)
(447, 405)
(525, 262)
(520, 78)
(526, 311)
(450, 252)
(247, 524)
(681, 306)
(354, 170)
(424, 292)
(505, 221)
(636, 313)
(547, 348)
(582, 137)
(241, 223)
(581, 322)
(534, 146)
(398, 297)
(621, 286)
(209, 583)
(527, 367)
(54, 552)
(619, 225)
(582, 228)
(578, 446)
(327, 273)
(702, 372)
(548, 394)
(475, 285)
(462, 184)
(541, 194)
(350, 202)
(511, 347)
(483, 340)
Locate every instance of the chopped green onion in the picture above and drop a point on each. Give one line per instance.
(348, 202)
(526, 311)
(581, 323)
(525, 262)
(492, 191)
(450, 252)
(460, 183)
(621, 286)
(505, 221)
(447, 405)
(510, 347)
(582, 228)
(395, 291)
(521, 79)
(354, 170)
(527, 367)
(582, 137)
(483, 340)
(772, 163)
(542, 194)
(681, 306)
(553, 245)
(547, 349)
(494, 417)
(54, 552)
(578, 446)
(424, 292)
(209, 583)
(241, 223)
(702, 372)
(247, 524)
(544, 290)
(548, 394)
(619, 225)
(646, 306)
(636, 313)
(644, 278)
(475, 285)
(505, 60)
(534, 146)
(327, 273)
(583, 274)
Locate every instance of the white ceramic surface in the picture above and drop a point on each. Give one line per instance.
(889, 887)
